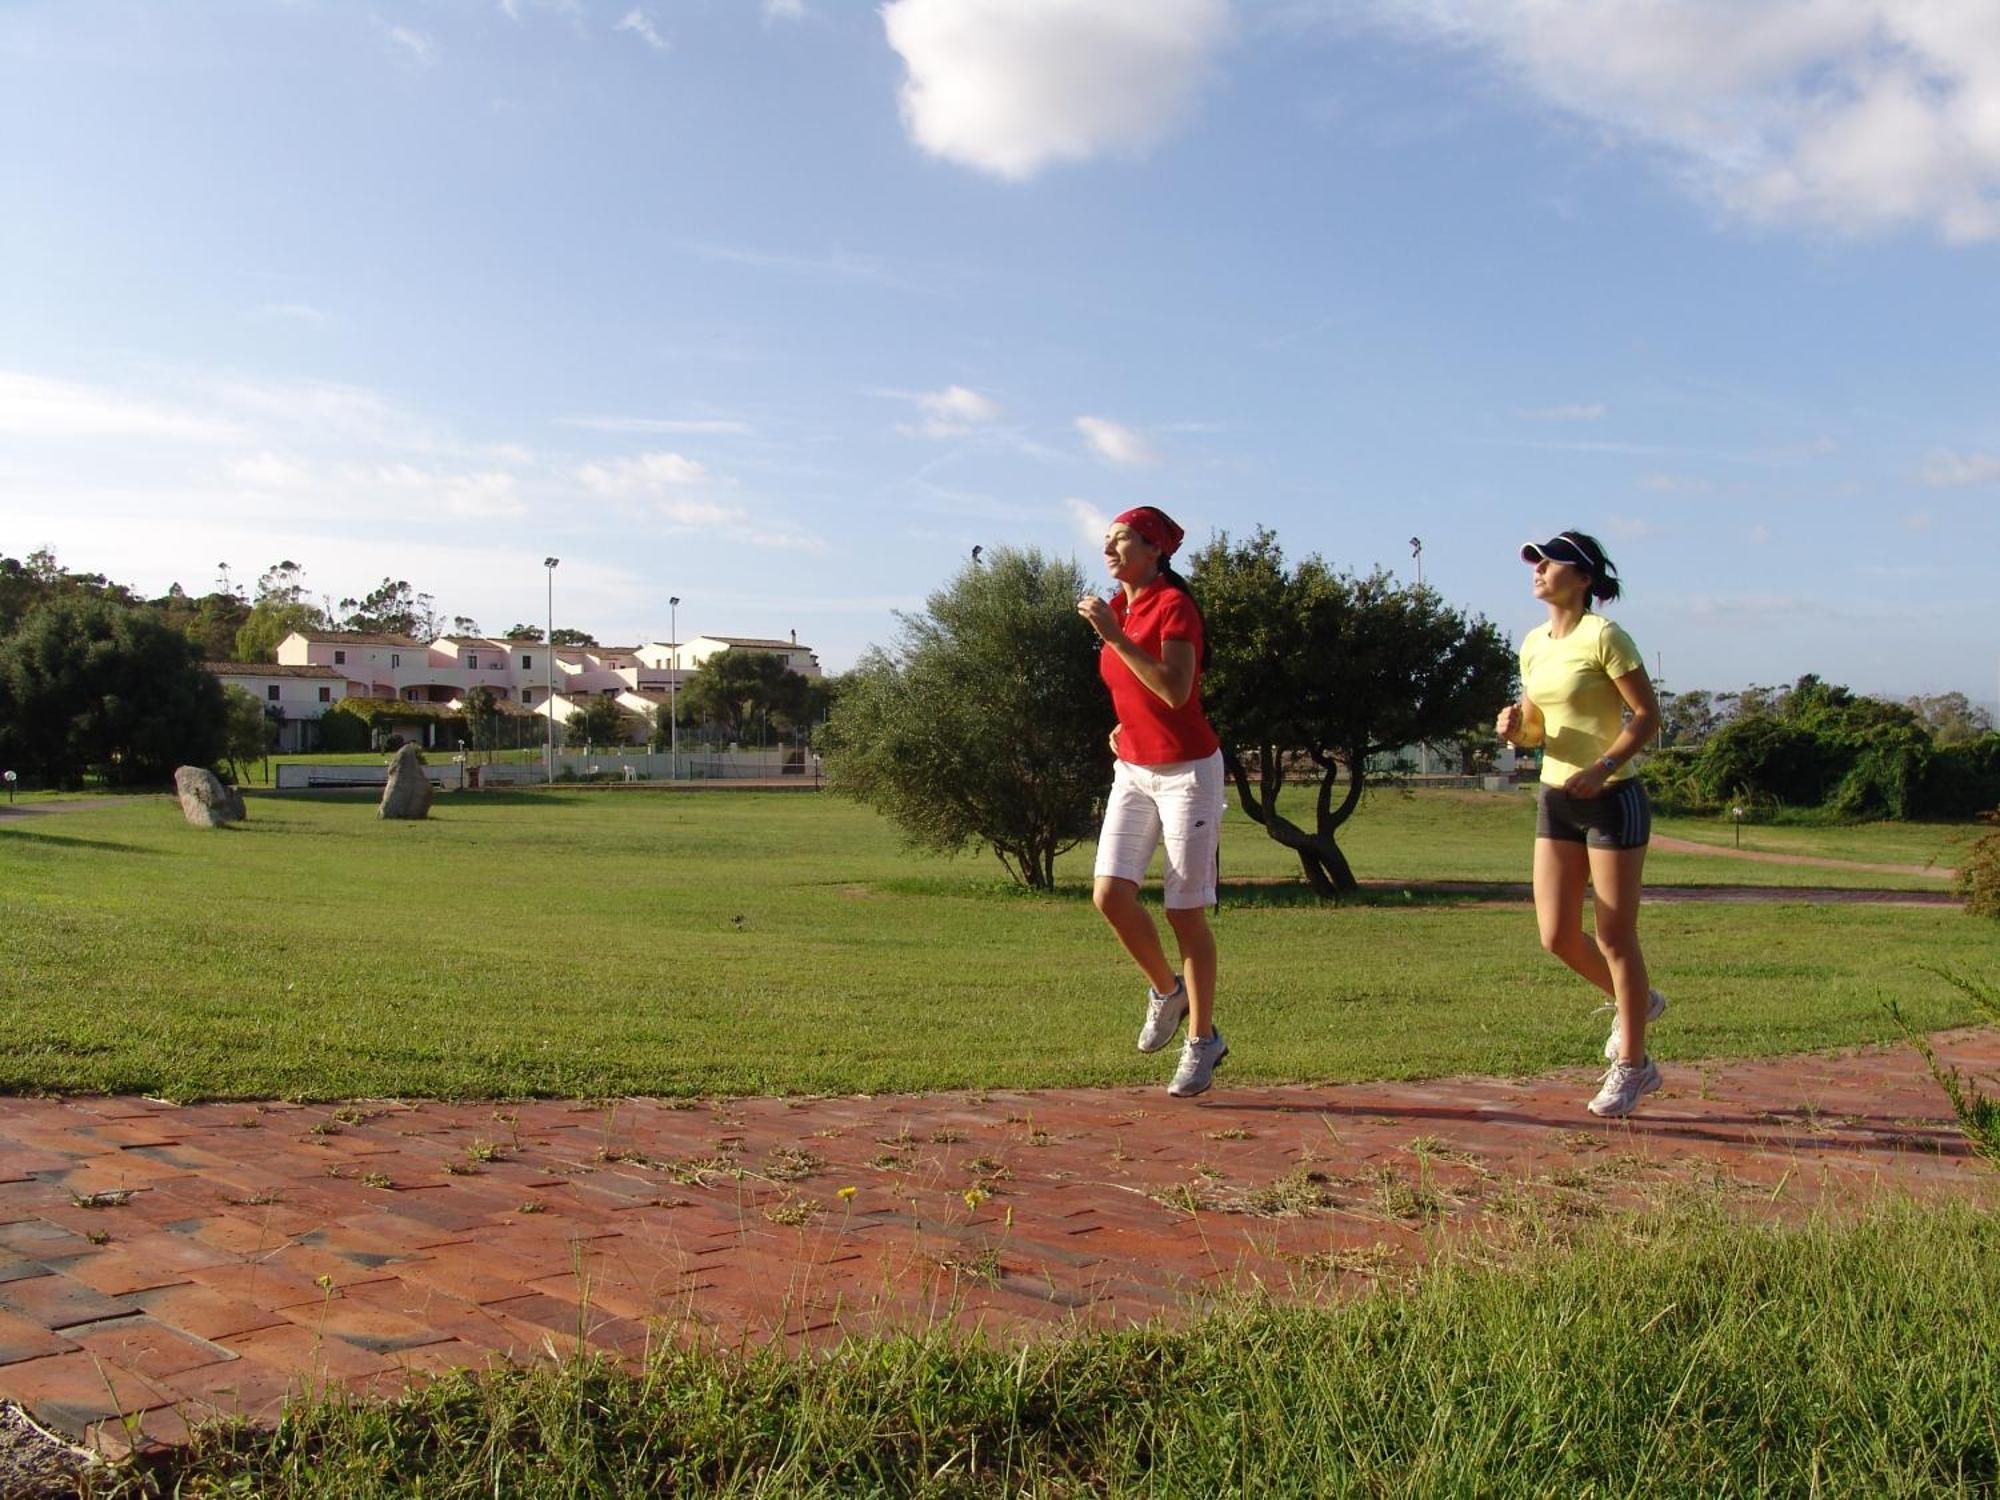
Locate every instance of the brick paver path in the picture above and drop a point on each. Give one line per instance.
(171, 1263)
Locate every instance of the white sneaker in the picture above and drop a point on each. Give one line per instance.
(1163, 1016)
(1624, 1086)
(1656, 1006)
(1199, 1060)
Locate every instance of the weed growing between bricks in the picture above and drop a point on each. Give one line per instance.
(1977, 1112)
(1672, 1351)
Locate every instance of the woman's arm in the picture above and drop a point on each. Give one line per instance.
(1170, 679)
(1636, 688)
(1521, 724)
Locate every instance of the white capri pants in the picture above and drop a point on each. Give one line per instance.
(1181, 802)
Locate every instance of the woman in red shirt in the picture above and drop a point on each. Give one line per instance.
(1168, 786)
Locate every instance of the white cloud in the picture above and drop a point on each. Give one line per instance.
(784, 10)
(1013, 86)
(1947, 470)
(1115, 443)
(1759, 535)
(698, 426)
(1854, 115)
(325, 411)
(1918, 520)
(1580, 413)
(267, 471)
(1090, 522)
(648, 474)
(641, 25)
(33, 406)
(486, 496)
(413, 45)
(953, 412)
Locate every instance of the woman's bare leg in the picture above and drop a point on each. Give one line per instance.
(1197, 945)
(1615, 879)
(1119, 901)
(1562, 869)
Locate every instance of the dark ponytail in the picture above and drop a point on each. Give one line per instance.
(1604, 585)
(1174, 580)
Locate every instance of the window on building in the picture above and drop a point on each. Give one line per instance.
(340, 658)
(527, 696)
(395, 658)
(271, 692)
(326, 695)
(527, 664)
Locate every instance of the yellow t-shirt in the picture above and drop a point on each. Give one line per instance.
(1571, 682)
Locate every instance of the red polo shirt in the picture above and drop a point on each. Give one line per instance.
(1149, 732)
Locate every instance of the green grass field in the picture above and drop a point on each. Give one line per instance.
(1684, 1356)
(586, 943)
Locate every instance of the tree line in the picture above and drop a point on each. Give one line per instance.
(1822, 746)
(99, 682)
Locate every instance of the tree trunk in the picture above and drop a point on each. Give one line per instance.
(1320, 858)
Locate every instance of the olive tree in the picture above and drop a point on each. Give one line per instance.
(985, 723)
(1331, 669)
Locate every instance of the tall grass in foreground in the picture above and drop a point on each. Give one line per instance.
(1666, 1355)
(1978, 1113)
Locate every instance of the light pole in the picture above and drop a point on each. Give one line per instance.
(674, 690)
(1417, 551)
(549, 669)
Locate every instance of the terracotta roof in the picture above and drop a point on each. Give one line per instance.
(359, 638)
(271, 669)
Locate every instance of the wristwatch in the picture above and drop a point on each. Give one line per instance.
(1609, 762)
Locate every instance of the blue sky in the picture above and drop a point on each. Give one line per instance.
(782, 307)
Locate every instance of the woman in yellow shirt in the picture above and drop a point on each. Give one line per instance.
(1586, 700)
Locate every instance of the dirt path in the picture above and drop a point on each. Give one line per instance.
(168, 1263)
(73, 804)
(1689, 846)
(1521, 893)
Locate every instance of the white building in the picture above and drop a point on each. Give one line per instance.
(318, 668)
(298, 694)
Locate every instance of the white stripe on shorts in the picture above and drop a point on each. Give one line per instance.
(1180, 804)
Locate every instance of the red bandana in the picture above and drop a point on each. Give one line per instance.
(1155, 525)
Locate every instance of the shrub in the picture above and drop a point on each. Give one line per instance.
(342, 733)
(1979, 877)
(1962, 778)
(1764, 754)
(1885, 773)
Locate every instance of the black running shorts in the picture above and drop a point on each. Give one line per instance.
(1619, 817)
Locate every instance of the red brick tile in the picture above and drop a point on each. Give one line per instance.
(234, 1388)
(366, 1326)
(299, 1349)
(146, 1346)
(258, 1283)
(147, 1260)
(460, 1271)
(239, 1237)
(141, 1433)
(203, 1311)
(56, 1301)
(24, 1338)
(69, 1392)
